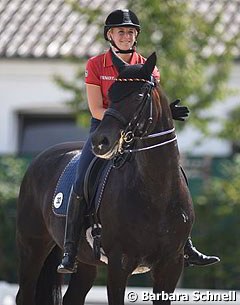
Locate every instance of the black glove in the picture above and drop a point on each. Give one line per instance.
(179, 112)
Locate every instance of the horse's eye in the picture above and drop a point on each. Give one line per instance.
(140, 96)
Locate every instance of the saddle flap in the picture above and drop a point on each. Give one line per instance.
(93, 179)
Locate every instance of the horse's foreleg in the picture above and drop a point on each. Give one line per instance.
(165, 278)
(80, 283)
(117, 278)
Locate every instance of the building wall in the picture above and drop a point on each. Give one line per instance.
(28, 86)
(189, 139)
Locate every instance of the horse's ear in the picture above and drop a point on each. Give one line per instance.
(150, 64)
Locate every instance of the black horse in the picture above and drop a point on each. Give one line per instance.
(146, 211)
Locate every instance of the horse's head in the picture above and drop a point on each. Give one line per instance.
(135, 110)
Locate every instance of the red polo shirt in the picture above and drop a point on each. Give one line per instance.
(101, 72)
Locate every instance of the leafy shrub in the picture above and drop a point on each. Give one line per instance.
(11, 172)
(217, 230)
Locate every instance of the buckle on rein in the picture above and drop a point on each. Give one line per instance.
(125, 138)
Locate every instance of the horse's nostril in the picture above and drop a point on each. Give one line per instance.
(103, 143)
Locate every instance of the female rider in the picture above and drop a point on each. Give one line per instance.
(121, 30)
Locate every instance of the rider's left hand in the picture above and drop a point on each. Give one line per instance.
(179, 113)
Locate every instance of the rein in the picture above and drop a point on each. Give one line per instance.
(159, 134)
(128, 135)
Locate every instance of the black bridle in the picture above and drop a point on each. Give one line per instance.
(146, 103)
(133, 130)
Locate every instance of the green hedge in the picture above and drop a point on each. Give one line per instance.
(11, 173)
(217, 229)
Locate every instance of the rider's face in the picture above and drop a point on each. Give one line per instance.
(124, 37)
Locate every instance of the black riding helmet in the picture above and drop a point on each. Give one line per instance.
(119, 18)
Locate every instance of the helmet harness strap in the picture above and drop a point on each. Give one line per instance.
(131, 50)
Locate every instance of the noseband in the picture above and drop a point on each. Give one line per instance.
(133, 127)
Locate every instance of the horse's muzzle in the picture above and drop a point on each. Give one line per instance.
(102, 147)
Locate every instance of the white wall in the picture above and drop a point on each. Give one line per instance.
(213, 146)
(27, 85)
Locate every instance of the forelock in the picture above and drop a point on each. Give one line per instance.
(130, 77)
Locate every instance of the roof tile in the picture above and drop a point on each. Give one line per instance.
(50, 28)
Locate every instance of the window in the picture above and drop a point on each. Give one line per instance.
(40, 131)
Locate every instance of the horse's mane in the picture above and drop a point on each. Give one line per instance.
(160, 100)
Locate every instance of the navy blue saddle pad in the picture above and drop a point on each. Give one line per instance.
(64, 185)
(94, 184)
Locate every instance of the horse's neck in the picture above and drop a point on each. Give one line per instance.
(159, 160)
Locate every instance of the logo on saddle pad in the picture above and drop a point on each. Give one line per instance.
(58, 200)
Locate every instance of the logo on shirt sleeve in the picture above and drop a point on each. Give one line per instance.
(86, 73)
